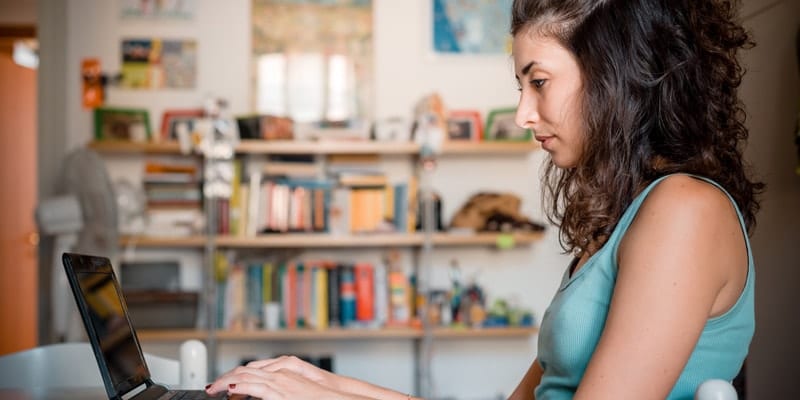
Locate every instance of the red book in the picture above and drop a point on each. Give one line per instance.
(365, 292)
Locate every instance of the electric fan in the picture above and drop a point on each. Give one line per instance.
(83, 219)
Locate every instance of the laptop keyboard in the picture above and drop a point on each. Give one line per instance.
(189, 395)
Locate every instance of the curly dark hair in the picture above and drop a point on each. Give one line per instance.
(660, 81)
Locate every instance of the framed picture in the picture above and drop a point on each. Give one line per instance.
(500, 126)
(126, 124)
(470, 27)
(464, 125)
(172, 118)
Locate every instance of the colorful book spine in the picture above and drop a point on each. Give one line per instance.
(321, 297)
(333, 295)
(347, 293)
(399, 299)
(365, 292)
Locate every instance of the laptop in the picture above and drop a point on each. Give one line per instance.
(111, 334)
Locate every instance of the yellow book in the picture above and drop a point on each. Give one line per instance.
(321, 297)
(235, 209)
(266, 283)
(388, 203)
(413, 204)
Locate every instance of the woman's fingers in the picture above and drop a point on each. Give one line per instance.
(257, 390)
(236, 376)
(283, 384)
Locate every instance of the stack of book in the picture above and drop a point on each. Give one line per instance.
(312, 294)
(174, 198)
(281, 197)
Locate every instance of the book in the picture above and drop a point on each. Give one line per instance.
(333, 295)
(347, 296)
(365, 292)
(254, 209)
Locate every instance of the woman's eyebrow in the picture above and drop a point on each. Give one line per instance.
(527, 68)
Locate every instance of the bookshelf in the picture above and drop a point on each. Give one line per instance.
(418, 242)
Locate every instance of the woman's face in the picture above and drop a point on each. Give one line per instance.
(550, 89)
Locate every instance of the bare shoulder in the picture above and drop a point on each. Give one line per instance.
(692, 227)
(683, 195)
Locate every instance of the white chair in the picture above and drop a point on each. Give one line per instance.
(71, 365)
(715, 389)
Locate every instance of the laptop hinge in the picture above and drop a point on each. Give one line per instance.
(146, 391)
(133, 392)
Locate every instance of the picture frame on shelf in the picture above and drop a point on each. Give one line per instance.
(171, 119)
(122, 124)
(392, 129)
(464, 125)
(500, 126)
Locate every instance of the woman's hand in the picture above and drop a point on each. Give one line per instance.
(302, 368)
(290, 377)
(274, 385)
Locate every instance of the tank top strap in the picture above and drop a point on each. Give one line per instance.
(630, 213)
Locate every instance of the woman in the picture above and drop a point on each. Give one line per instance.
(636, 103)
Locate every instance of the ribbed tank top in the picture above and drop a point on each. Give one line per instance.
(572, 325)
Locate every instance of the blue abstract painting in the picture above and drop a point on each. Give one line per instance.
(471, 26)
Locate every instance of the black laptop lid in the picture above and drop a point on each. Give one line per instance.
(105, 316)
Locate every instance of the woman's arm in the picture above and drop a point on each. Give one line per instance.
(524, 390)
(682, 261)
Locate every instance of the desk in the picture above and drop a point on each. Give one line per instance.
(97, 393)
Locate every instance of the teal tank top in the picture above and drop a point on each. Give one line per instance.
(572, 324)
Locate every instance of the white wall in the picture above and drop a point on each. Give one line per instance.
(771, 92)
(405, 70)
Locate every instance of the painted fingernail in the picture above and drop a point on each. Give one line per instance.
(208, 386)
(232, 386)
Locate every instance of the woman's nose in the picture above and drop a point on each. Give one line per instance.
(527, 115)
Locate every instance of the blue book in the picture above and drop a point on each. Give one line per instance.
(401, 207)
(255, 291)
(347, 295)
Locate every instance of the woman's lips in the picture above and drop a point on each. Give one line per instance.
(545, 140)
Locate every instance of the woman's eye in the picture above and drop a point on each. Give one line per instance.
(538, 83)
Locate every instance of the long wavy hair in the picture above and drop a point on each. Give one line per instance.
(660, 81)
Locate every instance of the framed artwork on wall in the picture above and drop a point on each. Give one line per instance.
(477, 27)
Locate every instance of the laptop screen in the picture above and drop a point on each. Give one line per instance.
(107, 323)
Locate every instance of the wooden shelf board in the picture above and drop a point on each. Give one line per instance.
(486, 239)
(320, 240)
(500, 148)
(505, 332)
(384, 333)
(251, 146)
(325, 147)
(371, 240)
(153, 241)
(325, 334)
(172, 334)
(111, 146)
(323, 240)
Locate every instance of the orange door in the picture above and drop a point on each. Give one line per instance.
(18, 261)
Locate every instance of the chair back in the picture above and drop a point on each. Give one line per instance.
(71, 365)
